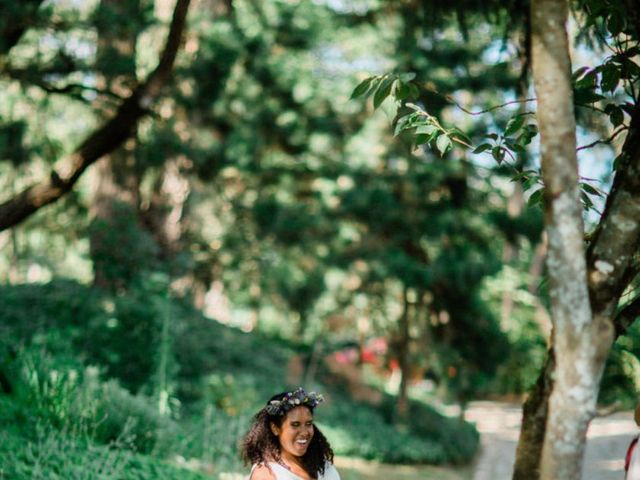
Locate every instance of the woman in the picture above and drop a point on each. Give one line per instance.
(284, 444)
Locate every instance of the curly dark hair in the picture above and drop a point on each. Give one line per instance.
(261, 445)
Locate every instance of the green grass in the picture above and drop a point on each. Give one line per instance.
(218, 377)
(51, 454)
(358, 469)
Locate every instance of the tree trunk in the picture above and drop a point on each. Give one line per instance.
(610, 271)
(163, 218)
(116, 181)
(579, 345)
(534, 417)
(578, 371)
(402, 406)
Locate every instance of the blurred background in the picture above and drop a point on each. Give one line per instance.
(260, 230)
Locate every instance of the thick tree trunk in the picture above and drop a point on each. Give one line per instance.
(534, 417)
(166, 209)
(116, 180)
(581, 341)
(578, 349)
(104, 140)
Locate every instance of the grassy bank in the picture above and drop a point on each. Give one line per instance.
(94, 374)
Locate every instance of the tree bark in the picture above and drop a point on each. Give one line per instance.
(104, 140)
(116, 180)
(609, 271)
(611, 250)
(534, 417)
(578, 350)
(402, 405)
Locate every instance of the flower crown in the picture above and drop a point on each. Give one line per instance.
(294, 399)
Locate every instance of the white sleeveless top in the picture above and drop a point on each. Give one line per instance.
(281, 473)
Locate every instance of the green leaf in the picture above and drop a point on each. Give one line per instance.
(616, 116)
(616, 23)
(590, 190)
(443, 143)
(407, 77)
(584, 96)
(383, 91)
(630, 68)
(514, 125)
(402, 91)
(422, 139)
(459, 134)
(362, 87)
(402, 124)
(536, 197)
(498, 154)
(530, 182)
(514, 146)
(482, 147)
(588, 204)
(426, 129)
(610, 77)
(616, 162)
(394, 86)
(579, 73)
(588, 81)
(414, 93)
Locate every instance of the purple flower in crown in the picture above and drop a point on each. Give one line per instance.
(294, 399)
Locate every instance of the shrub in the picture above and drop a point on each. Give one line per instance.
(366, 434)
(133, 419)
(214, 437)
(60, 392)
(53, 454)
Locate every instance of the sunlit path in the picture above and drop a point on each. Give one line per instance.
(499, 425)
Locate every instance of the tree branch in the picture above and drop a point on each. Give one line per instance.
(605, 141)
(617, 237)
(104, 140)
(73, 90)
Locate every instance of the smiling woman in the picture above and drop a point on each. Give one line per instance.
(284, 444)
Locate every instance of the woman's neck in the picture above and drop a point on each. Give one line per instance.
(291, 459)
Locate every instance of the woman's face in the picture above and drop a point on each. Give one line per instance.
(296, 432)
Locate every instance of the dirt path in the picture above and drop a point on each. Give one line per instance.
(499, 424)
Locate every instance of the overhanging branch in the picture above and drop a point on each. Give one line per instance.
(102, 141)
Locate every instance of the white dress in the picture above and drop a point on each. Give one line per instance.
(281, 473)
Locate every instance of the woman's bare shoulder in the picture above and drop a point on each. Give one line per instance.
(262, 472)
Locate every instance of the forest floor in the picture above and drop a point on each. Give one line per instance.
(499, 426)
